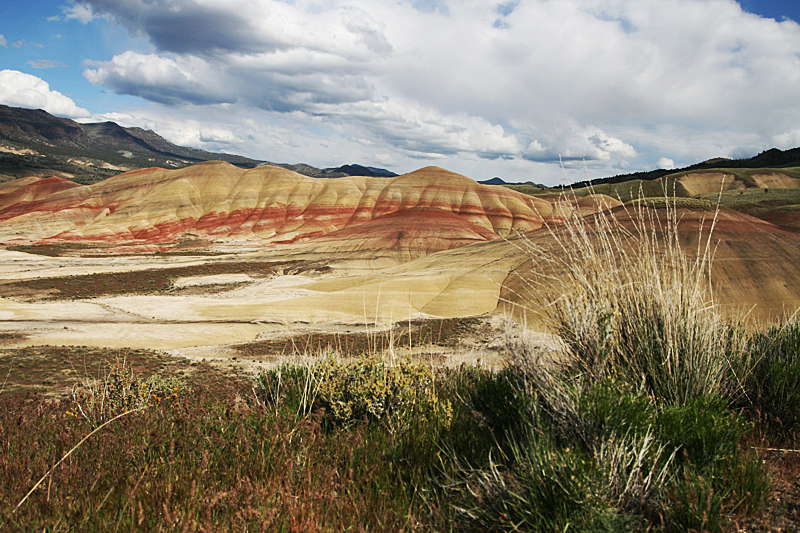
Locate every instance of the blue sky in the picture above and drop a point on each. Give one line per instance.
(484, 88)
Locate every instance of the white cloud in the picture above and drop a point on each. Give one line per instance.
(79, 12)
(3, 41)
(24, 90)
(45, 63)
(666, 163)
(614, 83)
(160, 79)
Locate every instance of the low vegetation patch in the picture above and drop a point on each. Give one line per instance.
(150, 281)
(439, 332)
(53, 371)
(755, 201)
(51, 250)
(674, 202)
(542, 445)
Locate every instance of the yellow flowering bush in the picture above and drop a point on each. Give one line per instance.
(371, 389)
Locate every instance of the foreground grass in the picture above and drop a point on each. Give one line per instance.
(365, 446)
(196, 459)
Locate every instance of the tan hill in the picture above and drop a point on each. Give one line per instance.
(703, 183)
(710, 182)
(271, 204)
(754, 268)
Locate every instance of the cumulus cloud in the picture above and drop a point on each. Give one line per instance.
(24, 90)
(615, 83)
(666, 163)
(159, 79)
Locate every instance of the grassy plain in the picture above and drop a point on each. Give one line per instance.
(371, 446)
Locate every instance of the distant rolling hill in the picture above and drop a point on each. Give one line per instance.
(271, 204)
(772, 158)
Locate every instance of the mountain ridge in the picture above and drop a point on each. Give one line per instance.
(34, 142)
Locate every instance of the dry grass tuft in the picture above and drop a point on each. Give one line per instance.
(629, 301)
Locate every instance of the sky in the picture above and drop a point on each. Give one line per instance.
(549, 91)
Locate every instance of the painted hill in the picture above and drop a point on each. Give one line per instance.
(406, 234)
(268, 204)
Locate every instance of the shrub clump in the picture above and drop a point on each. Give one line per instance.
(631, 427)
(365, 389)
(120, 390)
(773, 387)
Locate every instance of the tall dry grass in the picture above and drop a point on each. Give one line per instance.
(629, 300)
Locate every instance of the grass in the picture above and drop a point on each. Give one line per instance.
(368, 446)
(201, 464)
(629, 303)
(756, 201)
(222, 455)
(773, 388)
(675, 202)
(415, 333)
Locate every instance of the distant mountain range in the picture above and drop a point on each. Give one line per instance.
(501, 181)
(34, 142)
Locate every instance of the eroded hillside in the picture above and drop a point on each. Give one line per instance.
(268, 204)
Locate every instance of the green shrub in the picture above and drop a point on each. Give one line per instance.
(289, 386)
(774, 385)
(614, 408)
(749, 483)
(707, 499)
(696, 506)
(497, 398)
(545, 488)
(703, 431)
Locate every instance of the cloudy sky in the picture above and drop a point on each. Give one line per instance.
(480, 87)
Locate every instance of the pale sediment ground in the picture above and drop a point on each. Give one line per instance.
(487, 349)
(359, 294)
(197, 281)
(119, 335)
(22, 266)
